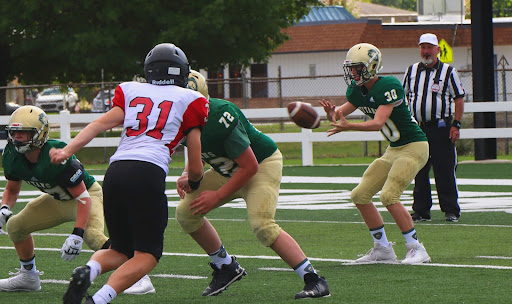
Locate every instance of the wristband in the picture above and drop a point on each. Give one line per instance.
(194, 185)
(456, 124)
(78, 231)
(6, 207)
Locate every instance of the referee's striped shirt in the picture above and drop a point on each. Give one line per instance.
(430, 91)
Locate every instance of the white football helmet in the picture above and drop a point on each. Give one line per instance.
(363, 62)
(30, 119)
(197, 82)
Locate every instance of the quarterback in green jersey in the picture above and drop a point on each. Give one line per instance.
(247, 164)
(70, 195)
(383, 100)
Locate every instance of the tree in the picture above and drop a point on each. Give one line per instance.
(71, 41)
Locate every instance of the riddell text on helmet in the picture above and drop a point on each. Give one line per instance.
(162, 82)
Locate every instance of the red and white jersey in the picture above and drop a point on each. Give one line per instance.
(156, 119)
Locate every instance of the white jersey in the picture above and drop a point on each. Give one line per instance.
(156, 119)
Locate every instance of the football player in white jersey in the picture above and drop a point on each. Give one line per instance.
(156, 117)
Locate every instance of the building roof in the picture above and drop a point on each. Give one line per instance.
(365, 9)
(326, 14)
(342, 36)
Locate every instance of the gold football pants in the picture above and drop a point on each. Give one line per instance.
(392, 173)
(46, 212)
(260, 195)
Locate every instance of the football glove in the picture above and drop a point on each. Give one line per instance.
(5, 214)
(71, 247)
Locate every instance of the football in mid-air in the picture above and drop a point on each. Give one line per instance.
(304, 115)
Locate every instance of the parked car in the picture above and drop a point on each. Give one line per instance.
(103, 101)
(54, 99)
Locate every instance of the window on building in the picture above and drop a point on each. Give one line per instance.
(259, 81)
(312, 70)
(235, 81)
(216, 83)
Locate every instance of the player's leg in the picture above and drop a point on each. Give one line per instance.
(408, 160)
(372, 181)
(42, 213)
(94, 235)
(226, 268)
(261, 195)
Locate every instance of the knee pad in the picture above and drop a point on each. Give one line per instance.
(360, 197)
(15, 229)
(188, 222)
(266, 231)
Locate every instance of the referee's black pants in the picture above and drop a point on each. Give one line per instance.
(443, 160)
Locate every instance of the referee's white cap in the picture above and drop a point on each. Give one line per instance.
(428, 38)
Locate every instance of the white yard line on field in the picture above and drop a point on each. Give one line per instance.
(267, 257)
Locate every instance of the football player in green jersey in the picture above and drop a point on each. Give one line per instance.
(70, 194)
(382, 99)
(245, 163)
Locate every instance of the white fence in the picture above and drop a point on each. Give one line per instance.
(306, 136)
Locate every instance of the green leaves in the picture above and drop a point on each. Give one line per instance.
(72, 41)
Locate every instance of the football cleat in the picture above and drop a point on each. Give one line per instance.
(77, 288)
(316, 287)
(224, 277)
(142, 286)
(416, 254)
(21, 281)
(379, 254)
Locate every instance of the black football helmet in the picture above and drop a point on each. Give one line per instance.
(167, 64)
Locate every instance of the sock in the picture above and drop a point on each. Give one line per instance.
(379, 236)
(29, 265)
(220, 257)
(410, 236)
(95, 269)
(303, 268)
(105, 295)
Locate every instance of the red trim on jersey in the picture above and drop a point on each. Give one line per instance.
(118, 98)
(196, 115)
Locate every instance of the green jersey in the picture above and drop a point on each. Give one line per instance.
(400, 128)
(47, 177)
(227, 134)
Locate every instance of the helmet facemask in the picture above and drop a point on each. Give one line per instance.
(357, 72)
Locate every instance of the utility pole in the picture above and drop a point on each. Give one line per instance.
(483, 73)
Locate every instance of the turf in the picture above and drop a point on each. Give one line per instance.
(471, 260)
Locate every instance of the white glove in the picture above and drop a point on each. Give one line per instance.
(71, 247)
(5, 214)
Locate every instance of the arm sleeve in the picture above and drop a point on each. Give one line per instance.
(118, 100)
(456, 87)
(196, 115)
(72, 175)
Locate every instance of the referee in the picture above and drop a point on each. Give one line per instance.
(435, 95)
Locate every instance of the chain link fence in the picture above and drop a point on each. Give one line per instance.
(257, 92)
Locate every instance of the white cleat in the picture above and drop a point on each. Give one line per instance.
(379, 254)
(416, 254)
(2, 231)
(142, 286)
(21, 281)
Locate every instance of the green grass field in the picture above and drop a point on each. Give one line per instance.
(471, 260)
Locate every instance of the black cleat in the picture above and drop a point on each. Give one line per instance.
(223, 277)
(420, 218)
(77, 289)
(89, 300)
(316, 287)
